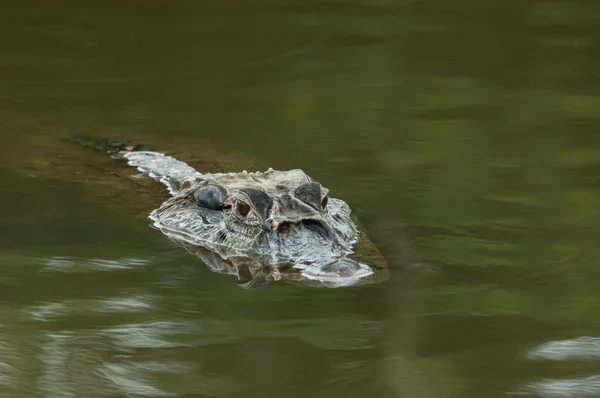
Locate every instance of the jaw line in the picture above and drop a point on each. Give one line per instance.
(311, 267)
(187, 237)
(332, 280)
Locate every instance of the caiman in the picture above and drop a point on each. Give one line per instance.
(259, 226)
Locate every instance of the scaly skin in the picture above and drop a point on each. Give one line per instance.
(276, 224)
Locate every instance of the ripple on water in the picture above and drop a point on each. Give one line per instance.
(161, 334)
(73, 264)
(68, 363)
(52, 311)
(581, 348)
(10, 374)
(573, 349)
(86, 363)
(564, 388)
(132, 377)
(130, 382)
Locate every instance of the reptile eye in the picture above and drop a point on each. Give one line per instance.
(242, 208)
(211, 197)
(324, 201)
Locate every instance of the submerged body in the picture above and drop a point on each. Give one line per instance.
(260, 226)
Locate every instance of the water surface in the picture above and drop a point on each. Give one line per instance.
(464, 135)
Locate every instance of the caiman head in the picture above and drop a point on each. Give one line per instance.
(282, 224)
(282, 217)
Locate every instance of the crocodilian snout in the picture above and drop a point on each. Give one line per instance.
(285, 226)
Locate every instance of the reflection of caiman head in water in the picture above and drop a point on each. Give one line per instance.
(268, 226)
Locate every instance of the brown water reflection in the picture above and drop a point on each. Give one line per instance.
(463, 135)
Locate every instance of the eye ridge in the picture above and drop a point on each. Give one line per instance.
(310, 193)
(261, 202)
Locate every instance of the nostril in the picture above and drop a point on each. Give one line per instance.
(284, 228)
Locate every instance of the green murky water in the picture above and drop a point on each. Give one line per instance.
(465, 136)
